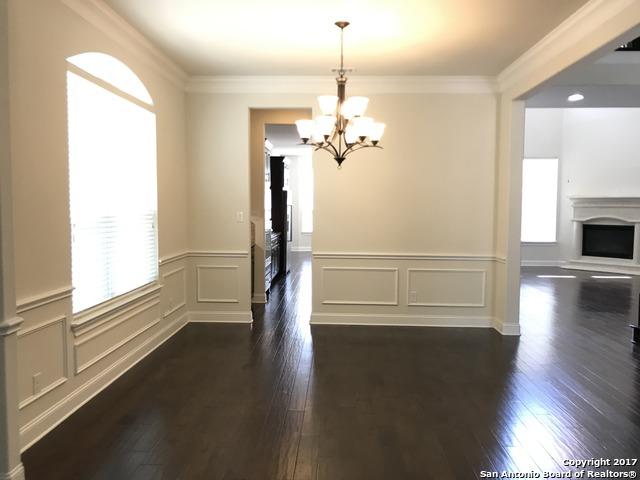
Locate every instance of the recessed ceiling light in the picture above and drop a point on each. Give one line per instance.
(575, 97)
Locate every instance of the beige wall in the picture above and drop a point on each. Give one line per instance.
(74, 362)
(220, 184)
(426, 201)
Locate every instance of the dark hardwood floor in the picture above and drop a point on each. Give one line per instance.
(280, 400)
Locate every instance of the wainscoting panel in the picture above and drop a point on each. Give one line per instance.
(42, 359)
(403, 289)
(93, 345)
(359, 286)
(217, 283)
(174, 291)
(433, 287)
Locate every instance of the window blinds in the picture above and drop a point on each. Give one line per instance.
(113, 193)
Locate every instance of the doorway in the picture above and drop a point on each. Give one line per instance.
(281, 199)
(580, 222)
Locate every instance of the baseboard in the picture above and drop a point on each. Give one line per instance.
(542, 263)
(259, 298)
(400, 320)
(507, 329)
(221, 317)
(16, 474)
(59, 412)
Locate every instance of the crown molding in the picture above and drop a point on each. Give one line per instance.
(588, 20)
(103, 17)
(365, 84)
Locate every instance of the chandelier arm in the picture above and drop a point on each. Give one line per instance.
(326, 148)
(352, 147)
(335, 151)
(360, 147)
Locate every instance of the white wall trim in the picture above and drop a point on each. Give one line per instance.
(507, 329)
(174, 257)
(394, 302)
(402, 256)
(482, 304)
(259, 298)
(400, 320)
(602, 267)
(94, 317)
(541, 263)
(16, 474)
(175, 308)
(113, 321)
(585, 21)
(202, 253)
(103, 17)
(62, 320)
(79, 368)
(48, 389)
(201, 299)
(219, 253)
(220, 317)
(300, 249)
(52, 414)
(40, 300)
(369, 84)
(28, 331)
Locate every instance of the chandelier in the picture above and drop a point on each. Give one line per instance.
(342, 128)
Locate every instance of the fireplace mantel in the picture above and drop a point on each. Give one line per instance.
(605, 211)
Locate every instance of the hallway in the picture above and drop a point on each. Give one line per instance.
(283, 400)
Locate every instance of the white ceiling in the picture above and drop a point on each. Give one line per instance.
(282, 136)
(611, 80)
(387, 37)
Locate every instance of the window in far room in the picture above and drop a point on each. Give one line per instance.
(112, 180)
(306, 194)
(539, 200)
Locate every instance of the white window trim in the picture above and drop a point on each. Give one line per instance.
(87, 317)
(107, 86)
(108, 308)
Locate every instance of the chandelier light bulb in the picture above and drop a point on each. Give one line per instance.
(325, 124)
(354, 107)
(305, 129)
(328, 104)
(350, 136)
(376, 132)
(362, 126)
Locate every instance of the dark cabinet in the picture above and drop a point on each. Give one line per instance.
(279, 186)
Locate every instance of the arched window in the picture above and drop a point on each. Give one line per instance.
(112, 180)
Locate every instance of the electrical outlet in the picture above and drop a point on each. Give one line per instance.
(413, 297)
(37, 384)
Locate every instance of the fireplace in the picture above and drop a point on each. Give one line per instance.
(608, 241)
(606, 234)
